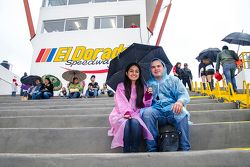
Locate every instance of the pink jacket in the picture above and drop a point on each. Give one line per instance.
(122, 106)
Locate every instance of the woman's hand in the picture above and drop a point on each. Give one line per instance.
(127, 116)
(150, 90)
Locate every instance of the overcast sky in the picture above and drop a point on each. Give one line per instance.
(193, 25)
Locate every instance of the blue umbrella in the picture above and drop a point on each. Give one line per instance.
(238, 38)
(210, 53)
(136, 53)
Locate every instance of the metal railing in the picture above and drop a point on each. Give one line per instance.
(245, 56)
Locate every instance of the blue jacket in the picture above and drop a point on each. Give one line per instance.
(169, 90)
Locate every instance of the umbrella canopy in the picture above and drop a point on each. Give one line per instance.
(55, 81)
(210, 53)
(238, 38)
(69, 75)
(30, 80)
(136, 53)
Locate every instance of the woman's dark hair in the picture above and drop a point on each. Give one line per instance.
(139, 86)
(48, 80)
(176, 65)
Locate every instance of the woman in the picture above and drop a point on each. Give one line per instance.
(47, 92)
(177, 70)
(125, 121)
(206, 72)
(75, 88)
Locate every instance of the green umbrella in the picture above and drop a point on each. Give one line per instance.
(55, 81)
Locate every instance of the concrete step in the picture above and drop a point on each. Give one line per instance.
(212, 158)
(82, 101)
(95, 140)
(207, 106)
(72, 121)
(71, 111)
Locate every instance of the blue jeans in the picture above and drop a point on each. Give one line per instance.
(74, 95)
(91, 94)
(132, 136)
(47, 95)
(229, 72)
(13, 94)
(153, 117)
(36, 95)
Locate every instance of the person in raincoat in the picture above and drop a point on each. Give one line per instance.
(168, 106)
(127, 127)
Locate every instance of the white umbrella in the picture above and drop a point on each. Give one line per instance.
(69, 75)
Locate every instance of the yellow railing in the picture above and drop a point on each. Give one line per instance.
(243, 56)
(226, 94)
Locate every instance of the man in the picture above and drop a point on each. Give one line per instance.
(37, 90)
(169, 98)
(187, 76)
(93, 88)
(227, 59)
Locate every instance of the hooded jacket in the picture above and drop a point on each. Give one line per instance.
(166, 92)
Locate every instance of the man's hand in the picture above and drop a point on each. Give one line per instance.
(177, 107)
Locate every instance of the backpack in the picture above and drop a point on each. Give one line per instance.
(169, 140)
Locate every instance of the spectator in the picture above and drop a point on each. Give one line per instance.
(187, 76)
(106, 91)
(63, 92)
(133, 25)
(227, 59)
(23, 86)
(206, 72)
(75, 88)
(93, 88)
(168, 106)
(177, 70)
(127, 127)
(14, 87)
(47, 91)
(37, 90)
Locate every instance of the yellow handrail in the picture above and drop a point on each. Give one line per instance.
(196, 87)
(248, 95)
(231, 92)
(244, 86)
(242, 56)
(201, 88)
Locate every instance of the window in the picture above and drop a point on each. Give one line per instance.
(57, 2)
(105, 22)
(76, 24)
(97, 1)
(65, 25)
(73, 2)
(132, 21)
(54, 26)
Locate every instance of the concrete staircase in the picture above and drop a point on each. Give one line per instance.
(62, 133)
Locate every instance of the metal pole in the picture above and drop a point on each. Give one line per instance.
(29, 18)
(155, 16)
(163, 24)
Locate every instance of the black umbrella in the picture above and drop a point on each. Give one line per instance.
(238, 38)
(136, 53)
(30, 80)
(210, 53)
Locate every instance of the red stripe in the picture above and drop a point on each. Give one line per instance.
(91, 71)
(96, 71)
(39, 57)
